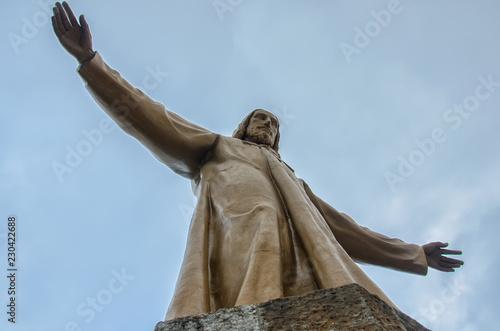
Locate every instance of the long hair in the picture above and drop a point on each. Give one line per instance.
(240, 131)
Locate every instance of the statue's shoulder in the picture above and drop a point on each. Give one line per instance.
(231, 142)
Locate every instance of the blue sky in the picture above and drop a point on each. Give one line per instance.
(389, 110)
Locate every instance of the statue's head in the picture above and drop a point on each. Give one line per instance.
(260, 127)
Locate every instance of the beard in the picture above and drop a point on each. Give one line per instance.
(260, 137)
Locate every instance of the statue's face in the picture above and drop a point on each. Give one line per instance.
(262, 128)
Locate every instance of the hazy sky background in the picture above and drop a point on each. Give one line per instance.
(359, 101)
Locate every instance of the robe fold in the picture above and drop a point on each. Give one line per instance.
(258, 232)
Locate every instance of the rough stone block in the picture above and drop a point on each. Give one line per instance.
(348, 307)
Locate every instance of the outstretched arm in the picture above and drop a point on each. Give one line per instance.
(180, 144)
(75, 38)
(366, 246)
(435, 259)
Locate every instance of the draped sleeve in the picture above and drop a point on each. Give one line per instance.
(366, 246)
(178, 143)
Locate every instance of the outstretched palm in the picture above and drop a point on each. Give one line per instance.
(74, 37)
(434, 253)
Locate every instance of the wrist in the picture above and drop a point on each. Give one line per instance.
(86, 56)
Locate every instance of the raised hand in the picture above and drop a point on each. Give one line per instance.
(434, 253)
(74, 37)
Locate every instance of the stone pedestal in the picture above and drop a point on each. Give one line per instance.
(348, 307)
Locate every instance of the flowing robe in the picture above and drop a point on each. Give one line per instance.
(258, 232)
